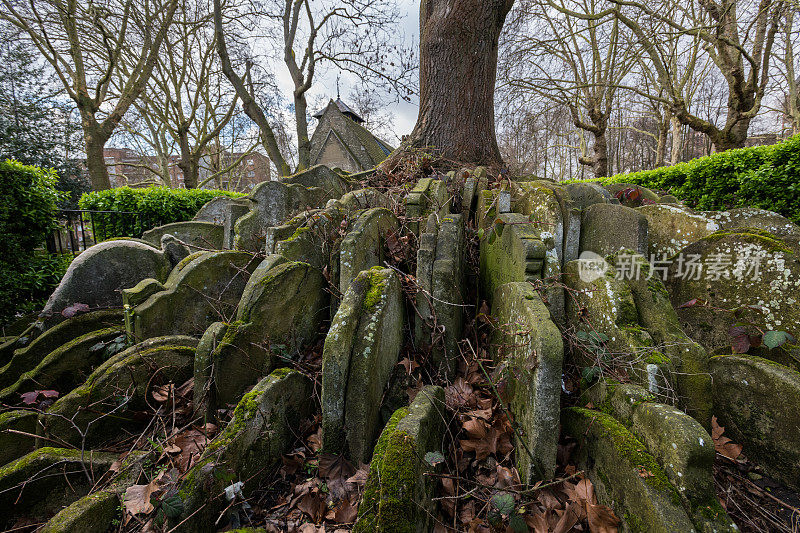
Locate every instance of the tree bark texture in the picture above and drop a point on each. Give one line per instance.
(458, 69)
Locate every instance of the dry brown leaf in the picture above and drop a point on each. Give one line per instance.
(602, 519)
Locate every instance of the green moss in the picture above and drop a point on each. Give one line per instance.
(634, 523)
(231, 332)
(369, 510)
(377, 286)
(188, 259)
(657, 358)
(754, 235)
(632, 448)
(299, 231)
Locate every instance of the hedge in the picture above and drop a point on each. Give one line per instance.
(155, 205)
(27, 215)
(766, 177)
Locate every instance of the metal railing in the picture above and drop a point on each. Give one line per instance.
(78, 229)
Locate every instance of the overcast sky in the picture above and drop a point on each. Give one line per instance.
(325, 85)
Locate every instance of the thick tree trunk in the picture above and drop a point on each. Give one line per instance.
(733, 136)
(600, 163)
(458, 69)
(95, 144)
(661, 143)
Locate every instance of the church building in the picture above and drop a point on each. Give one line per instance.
(341, 140)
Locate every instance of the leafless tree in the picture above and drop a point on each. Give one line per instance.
(87, 43)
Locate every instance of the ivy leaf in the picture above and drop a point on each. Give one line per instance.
(590, 373)
(774, 339)
(740, 340)
(504, 503)
(172, 506)
(517, 524)
(434, 458)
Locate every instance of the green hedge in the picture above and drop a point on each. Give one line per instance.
(156, 206)
(27, 215)
(767, 177)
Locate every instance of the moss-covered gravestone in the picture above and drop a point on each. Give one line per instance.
(398, 495)
(361, 350)
(97, 410)
(625, 476)
(281, 311)
(757, 401)
(364, 245)
(254, 441)
(199, 291)
(745, 277)
(608, 228)
(442, 289)
(672, 227)
(528, 345)
(97, 275)
(195, 234)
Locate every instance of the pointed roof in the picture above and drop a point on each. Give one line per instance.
(344, 108)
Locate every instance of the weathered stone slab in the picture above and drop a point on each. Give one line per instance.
(281, 312)
(197, 293)
(273, 202)
(615, 460)
(605, 305)
(235, 210)
(214, 210)
(584, 194)
(442, 291)
(195, 234)
(757, 401)
(63, 368)
(29, 356)
(322, 177)
(671, 228)
(361, 350)
(657, 316)
(97, 275)
(315, 240)
(510, 251)
(398, 496)
(428, 196)
(46, 479)
(364, 245)
(761, 219)
(608, 228)
(14, 445)
(717, 268)
(93, 513)
(529, 344)
(118, 386)
(254, 441)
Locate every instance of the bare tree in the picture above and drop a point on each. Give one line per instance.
(86, 44)
(737, 36)
(580, 63)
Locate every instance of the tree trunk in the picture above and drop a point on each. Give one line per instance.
(95, 158)
(303, 142)
(661, 145)
(675, 154)
(188, 163)
(600, 163)
(458, 69)
(733, 136)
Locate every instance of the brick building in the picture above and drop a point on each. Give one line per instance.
(126, 167)
(341, 141)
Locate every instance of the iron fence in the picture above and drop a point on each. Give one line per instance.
(79, 229)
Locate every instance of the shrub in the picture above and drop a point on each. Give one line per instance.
(763, 176)
(155, 206)
(27, 216)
